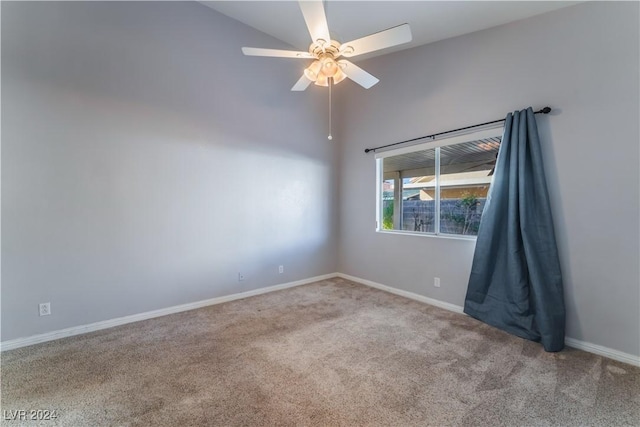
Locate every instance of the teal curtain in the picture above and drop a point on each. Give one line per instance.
(515, 282)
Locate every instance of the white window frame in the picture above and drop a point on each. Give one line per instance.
(492, 132)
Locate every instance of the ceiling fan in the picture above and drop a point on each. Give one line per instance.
(325, 51)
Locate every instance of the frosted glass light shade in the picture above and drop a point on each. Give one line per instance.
(339, 76)
(329, 67)
(313, 70)
(322, 80)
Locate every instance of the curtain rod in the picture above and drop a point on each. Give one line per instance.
(545, 110)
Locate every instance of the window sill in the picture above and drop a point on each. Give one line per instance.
(431, 235)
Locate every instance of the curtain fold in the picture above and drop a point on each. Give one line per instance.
(516, 282)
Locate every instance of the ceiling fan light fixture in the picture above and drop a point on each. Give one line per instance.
(326, 52)
(322, 80)
(313, 70)
(339, 76)
(329, 67)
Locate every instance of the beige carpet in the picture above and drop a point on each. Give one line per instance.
(333, 353)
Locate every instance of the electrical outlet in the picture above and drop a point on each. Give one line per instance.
(45, 309)
(240, 277)
(281, 269)
(436, 282)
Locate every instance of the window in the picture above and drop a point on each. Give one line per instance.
(438, 187)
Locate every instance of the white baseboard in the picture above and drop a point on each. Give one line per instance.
(603, 351)
(83, 329)
(406, 294)
(571, 342)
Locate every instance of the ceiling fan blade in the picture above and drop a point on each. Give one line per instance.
(302, 84)
(357, 74)
(314, 16)
(256, 51)
(384, 39)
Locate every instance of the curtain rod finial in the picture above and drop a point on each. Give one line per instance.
(546, 110)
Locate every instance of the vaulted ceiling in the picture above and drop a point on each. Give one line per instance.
(430, 20)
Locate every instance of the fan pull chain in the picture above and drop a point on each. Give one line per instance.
(330, 84)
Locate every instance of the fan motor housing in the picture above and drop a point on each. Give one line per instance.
(321, 47)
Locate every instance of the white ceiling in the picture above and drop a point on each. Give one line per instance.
(348, 20)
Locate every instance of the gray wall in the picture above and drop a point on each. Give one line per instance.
(146, 161)
(583, 62)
